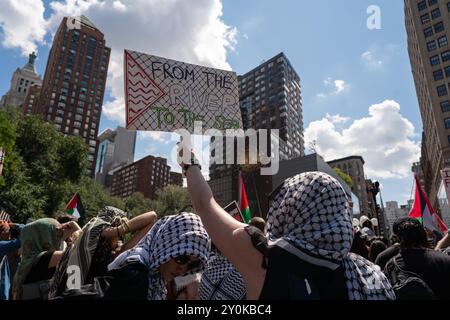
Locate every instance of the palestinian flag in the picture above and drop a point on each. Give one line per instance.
(75, 207)
(424, 212)
(245, 209)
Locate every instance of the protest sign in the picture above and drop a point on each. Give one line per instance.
(234, 211)
(165, 95)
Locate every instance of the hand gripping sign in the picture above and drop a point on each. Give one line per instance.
(166, 95)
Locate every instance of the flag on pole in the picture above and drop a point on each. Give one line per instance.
(424, 212)
(245, 209)
(75, 207)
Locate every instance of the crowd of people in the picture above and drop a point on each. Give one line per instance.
(309, 248)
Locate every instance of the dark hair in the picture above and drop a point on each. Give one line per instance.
(64, 218)
(412, 234)
(394, 239)
(258, 222)
(396, 224)
(367, 224)
(384, 240)
(376, 248)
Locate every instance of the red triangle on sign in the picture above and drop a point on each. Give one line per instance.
(141, 91)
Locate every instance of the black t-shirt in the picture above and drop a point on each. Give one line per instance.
(40, 270)
(290, 278)
(432, 266)
(387, 255)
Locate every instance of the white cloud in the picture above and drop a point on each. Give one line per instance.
(378, 57)
(119, 6)
(191, 31)
(334, 87)
(340, 85)
(22, 24)
(384, 139)
(336, 118)
(158, 136)
(370, 60)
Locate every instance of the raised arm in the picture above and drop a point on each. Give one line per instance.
(227, 233)
(140, 222)
(444, 243)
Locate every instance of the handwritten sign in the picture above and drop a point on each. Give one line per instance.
(234, 211)
(165, 95)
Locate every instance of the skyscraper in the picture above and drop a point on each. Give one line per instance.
(270, 98)
(74, 82)
(22, 80)
(428, 30)
(116, 148)
(354, 167)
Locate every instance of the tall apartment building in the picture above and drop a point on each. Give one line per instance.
(393, 212)
(22, 80)
(34, 92)
(270, 98)
(145, 176)
(74, 82)
(428, 26)
(115, 148)
(354, 167)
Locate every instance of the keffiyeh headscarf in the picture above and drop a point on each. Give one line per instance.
(221, 281)
(311, 213)
(171, 236)
(37, 237)
(88, 249)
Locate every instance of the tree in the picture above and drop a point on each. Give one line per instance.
(347, 179)
(172, 200)
(7, 141)
(137, 204)
(44, 169)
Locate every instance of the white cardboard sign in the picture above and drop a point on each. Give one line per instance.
(165, 95)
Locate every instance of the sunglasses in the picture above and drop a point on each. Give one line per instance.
(185, 260)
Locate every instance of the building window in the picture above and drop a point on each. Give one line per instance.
(447, 71)
(435, 60)
(422, 5)
(428, 32)
(431, 46)
(445, 106)
(446, 55)
(439, 27)
(438, 75)
(432, 2)
(447, 123)
(425, 18)
(436, 13)
(448, 6)
(442, 41)
(442, 90)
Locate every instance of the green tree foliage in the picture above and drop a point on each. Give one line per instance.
(137, 204)
(172, 200)
(169, 200)
(7, 141)
(44, 169)
(347, 179)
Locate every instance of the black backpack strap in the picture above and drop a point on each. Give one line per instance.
(259, 241)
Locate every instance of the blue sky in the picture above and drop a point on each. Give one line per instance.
(344, 67)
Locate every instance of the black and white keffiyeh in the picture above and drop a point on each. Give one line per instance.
(81, 252)
(171, 236)
(311, 213)
(221, 281)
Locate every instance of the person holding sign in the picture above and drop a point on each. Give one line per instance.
(310, 229)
